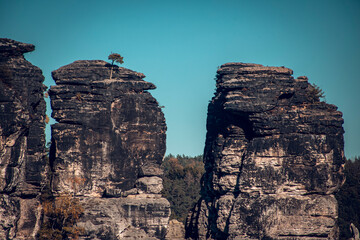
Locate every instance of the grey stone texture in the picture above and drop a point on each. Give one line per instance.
(273, 156)
(107, 148)
(107, 130)
(22, 141)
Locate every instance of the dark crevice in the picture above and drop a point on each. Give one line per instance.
(52, 154)
(191, 231)
(286, 96)
(71, 122)
(35, 105)
(237, 190)
(243, 122)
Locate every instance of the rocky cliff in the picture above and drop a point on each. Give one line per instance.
(273, 155)
(273, 159)
(107, 148)
(22, 141)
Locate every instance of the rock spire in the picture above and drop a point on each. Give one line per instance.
(107, 148)
(273, 158)
(22, 141)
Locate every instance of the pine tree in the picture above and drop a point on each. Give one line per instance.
(115, 58)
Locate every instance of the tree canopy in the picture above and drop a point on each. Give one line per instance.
(180, 172)
(115, 57)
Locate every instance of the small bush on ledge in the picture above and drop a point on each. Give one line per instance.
(315, 93)
(61, 214)
(60, 217)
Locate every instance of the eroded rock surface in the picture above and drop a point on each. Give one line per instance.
(22, 141)
(107, 148)
(273, 158)
(176, 230)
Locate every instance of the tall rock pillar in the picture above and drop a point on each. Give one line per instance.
(273, 158)
(107, 148)
(22, 141)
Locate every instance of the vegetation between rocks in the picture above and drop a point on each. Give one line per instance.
(182, 176)
(61, 213)
(181, 183)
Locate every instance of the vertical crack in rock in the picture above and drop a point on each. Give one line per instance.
(22, 141)
(110, 133)
(273, 159)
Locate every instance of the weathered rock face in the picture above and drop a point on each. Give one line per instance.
(273, 158)
(139, 216)
(109, 131)
(107, 148)
(22, 141)
(176, 230)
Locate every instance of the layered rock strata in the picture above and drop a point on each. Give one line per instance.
(107, 148)
(273, 159)
(22, 141)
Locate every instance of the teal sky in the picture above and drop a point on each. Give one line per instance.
(178, 45)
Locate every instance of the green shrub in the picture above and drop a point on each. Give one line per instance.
(315, 93)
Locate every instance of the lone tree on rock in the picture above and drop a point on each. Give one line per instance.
(115, 57)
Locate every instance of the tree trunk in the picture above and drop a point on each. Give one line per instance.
(112, 65)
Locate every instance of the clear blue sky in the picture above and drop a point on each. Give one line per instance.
(179, 44)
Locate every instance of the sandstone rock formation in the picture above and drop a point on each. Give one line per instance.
(176, 230)
(273, 159)
(107, 148)
(273, 154)
(22, 141)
